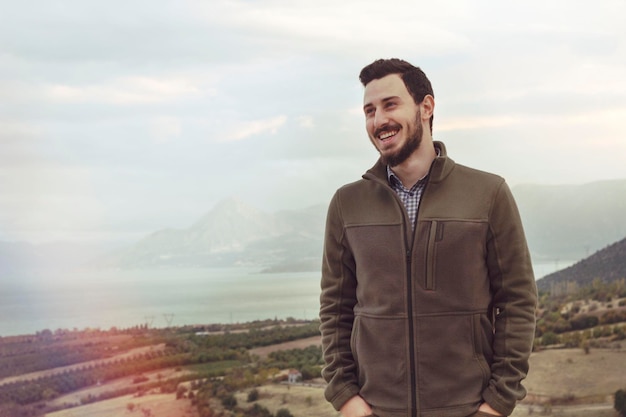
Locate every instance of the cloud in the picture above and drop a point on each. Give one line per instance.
(306, 122)
(347, 26)
(255, 127)
(464, 123)
(124, 91)
(87, 91)
(164, 128)
(11, 129)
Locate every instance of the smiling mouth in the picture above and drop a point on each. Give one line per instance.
(384, 136)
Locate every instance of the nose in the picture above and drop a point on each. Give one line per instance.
(380, 119)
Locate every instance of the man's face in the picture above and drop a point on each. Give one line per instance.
(392, 119)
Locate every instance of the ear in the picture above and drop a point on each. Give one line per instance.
(428, 107)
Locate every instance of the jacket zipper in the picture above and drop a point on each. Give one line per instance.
(412, 361)
(409, 261)
(412, 364)
(409, 287)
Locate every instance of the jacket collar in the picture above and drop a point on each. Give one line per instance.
(442, 166)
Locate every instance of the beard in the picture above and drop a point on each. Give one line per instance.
(412, 143)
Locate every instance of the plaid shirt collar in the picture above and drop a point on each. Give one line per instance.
(395, 182)
(410, 197)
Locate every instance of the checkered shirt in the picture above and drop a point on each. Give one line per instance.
(410, 197)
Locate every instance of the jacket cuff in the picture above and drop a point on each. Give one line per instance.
(342, 397)
(497, 402)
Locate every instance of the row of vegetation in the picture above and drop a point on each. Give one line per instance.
(581, 316)
(48, 350)
(217, 359)
(217, 396)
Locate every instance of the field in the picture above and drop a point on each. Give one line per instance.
(572, 373)
(262, 352)
(126, 355)
(561, 382)
(150, 405)
(574, 384)
(300, 400)
(567, 381)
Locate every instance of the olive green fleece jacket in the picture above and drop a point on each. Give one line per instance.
(430, 322)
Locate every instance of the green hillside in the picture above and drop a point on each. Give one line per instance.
(607, 265)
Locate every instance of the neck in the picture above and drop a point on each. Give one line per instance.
(417, 165)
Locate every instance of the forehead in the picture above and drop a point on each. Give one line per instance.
(384, 88)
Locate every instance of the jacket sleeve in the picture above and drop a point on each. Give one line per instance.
(337, 301)
(514, 302)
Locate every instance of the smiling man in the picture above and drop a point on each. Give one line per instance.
(428, 295)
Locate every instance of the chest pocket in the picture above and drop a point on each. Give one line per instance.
(452, 255)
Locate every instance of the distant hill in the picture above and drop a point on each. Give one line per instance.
(570, 222)
(233, 234)
(563, 223)
(608, 264)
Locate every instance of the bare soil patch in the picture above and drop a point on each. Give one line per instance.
(160, 405)
(76, 397)
(264, 351)
(571, 372)
(570, 383)
(300, 400)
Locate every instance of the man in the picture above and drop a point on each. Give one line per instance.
(428, 295)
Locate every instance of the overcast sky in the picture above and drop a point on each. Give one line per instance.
(120, 118)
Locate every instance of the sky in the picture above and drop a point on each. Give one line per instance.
(121, 118)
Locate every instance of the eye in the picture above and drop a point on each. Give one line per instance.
(390, 104)
(368, 111)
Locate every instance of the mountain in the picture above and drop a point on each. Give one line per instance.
(561, 222)
(569, 222)
(564, 223)
(232, 233)
(608, 264)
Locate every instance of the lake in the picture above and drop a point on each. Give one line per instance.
(160, 297)
(126, 298)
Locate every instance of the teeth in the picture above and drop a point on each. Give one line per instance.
(386, 135)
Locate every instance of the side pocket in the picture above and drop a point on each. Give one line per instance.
(479, 349)
(382, 364)
(431, 256)
(353, 339)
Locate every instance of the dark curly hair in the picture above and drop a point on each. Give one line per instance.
(413, 77)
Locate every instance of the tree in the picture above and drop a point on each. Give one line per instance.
(584, 322)
(620, 402)
(253, 395)
(258, 411)
(283, 412)
(585, 345)
(229, 402)
(180, 392)
(549, 338)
